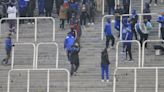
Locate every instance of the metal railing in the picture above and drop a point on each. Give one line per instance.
(36, 27)
(48, 77)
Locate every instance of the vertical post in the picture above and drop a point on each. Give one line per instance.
(36, 60)
(48, 80)
(8, 81)
(103, 7)
(139, 54)
(117, 45)
(1, 27)
(142, 6)
(102, 28)
(135, 80)
(36, 28)
(34, 56)
(159, 31)
(28, 80)
(57, 57)
(12, 58)
(121, 27)
(156, 81)
(130, 10)
(114, 80)
(17, 35)
(54, 30)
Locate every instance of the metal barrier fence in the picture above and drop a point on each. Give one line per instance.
(48, 77)
(139, 51)
(135, 76)
(36, 28)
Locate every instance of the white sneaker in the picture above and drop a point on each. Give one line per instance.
(102, 81)
(89, 23)
(155, 4)
(112, 47)
(92, 23)
(107, 80)
(150, 4)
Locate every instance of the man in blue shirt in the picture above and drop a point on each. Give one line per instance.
(108, 33)
(8, 48)
(160, 20)
(68, 43)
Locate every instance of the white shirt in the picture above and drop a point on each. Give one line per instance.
(12, 11)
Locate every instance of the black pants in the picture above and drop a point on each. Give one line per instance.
(128, 50)
(134, 33)
(62, 21)
(143, 38)
(162, 32)
(155, 1)
(126, 8)
(48, 12)
(108, 38)
(83, 18)
(74, 68)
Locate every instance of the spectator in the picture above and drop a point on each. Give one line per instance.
(41, 7)
(92, 12)
(74, 58)
(154, 4)
(8, 48)
(118, 12)
(31, 9)
(59, 3)
(62, 15)
(111, 5)
(126, 6)
(134, 19)
(68, 43)
(11, 10)
(22, 4)
(144, 29)
(83, 14)
(147, 10)
(104, 65)
(78, 31)
(129, 36)
(108, 33)
(48, 7)
(160, 20)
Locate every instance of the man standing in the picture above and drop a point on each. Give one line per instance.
(48, 7)
(111, 5)
(108, 33)
(41, 7)
(160, 20)
(8, 48)
(126, 5)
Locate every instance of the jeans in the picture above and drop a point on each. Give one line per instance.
(162, 32)
(104, 70)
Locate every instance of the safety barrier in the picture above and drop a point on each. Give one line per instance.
(36, 27)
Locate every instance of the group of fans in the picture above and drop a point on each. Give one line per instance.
(131, 27)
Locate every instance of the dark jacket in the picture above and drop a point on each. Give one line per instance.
(126, 2)
(104, 57)
(74, 57)
(147, 10)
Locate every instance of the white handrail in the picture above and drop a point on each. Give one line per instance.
(143, 49)
(13, 52)
(34, 18)
(135, 76)
(43, 69)
(139, 51)
(48, 43)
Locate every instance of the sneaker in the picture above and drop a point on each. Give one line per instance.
(102, 81)
(92, 24)
(89, 23)
(150, 4)
(131, 60)
(155, 4)
(112, 47)
(107, 80)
